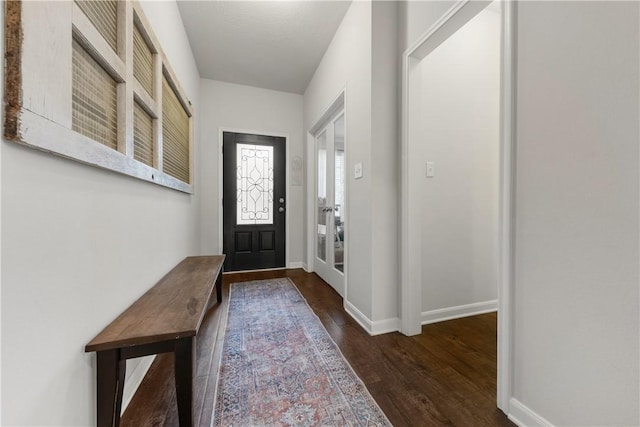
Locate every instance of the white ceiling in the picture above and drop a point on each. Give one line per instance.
(270, 44)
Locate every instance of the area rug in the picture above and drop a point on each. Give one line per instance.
(280, 367)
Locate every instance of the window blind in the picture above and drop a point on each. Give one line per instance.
(175, 134)
(94, 99)
(142, 61)
(142, 135)
(103, 14)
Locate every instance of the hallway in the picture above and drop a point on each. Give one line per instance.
(444, 376)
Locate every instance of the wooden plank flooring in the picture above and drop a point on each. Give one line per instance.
(444, 377)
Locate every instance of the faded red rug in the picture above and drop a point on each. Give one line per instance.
(280, 367)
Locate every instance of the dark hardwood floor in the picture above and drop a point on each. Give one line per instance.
(444, 377)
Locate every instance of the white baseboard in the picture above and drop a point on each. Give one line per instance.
(377, 327)
(357, 315)
(442, 314)
(525, 417)
(385, 326)
(134, 380)
(298, 264)
(305, 267)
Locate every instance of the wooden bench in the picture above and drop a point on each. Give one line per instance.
(165, 319)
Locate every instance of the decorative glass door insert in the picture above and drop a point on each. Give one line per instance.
(254, 184)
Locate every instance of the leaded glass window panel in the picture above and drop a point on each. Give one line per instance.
(254, 184)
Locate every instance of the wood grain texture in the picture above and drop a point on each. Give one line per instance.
(13, 68)
(445, 376)
(172, 309)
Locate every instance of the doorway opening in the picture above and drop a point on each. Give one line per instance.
(456, 173)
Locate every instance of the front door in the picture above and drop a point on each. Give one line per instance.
(253, 201)
(330, 203)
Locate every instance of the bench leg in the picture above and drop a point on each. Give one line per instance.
(185, 352)
(111, 373)
(219, 287)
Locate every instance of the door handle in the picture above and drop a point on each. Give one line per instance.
(280, 209)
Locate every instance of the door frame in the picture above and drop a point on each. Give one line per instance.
(221, 130)
(337, 104)
(410, 267)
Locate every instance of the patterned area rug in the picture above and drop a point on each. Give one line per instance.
(280, 367)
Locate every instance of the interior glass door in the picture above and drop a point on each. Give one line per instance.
(321, 208)
(330, 203)
(338, 193)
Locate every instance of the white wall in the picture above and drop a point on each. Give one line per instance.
(238, 107)
(576, 240)
(385, 160)
(460, 133)
(576, 266)
(415, 18)
(347, 63)
(362, 58)
(80, 244)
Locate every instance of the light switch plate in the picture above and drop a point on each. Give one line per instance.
(357, 170)
(431, 169)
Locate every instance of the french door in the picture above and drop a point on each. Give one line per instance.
(330, 206)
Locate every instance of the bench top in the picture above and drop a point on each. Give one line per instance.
(172, 309)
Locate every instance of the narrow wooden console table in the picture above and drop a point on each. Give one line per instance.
(165, 319)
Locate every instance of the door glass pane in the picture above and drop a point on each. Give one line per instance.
(254, 201)
(339, 189)
(321, 203)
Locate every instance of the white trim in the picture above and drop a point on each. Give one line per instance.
(311, 178)
(337, 107)
(310, 201)
(414, 49)
(287, 140)
(385, 326)
(410, 290)
(293, 265)
(378, 327)
(507, 199)
(523, 416)
(358, 316)
(410, 268)
(457, 312)
(337, 103)
(305, 267)
(135, 379)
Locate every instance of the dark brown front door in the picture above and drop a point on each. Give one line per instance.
(253, 201)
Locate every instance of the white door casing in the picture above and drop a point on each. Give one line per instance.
(410, 268)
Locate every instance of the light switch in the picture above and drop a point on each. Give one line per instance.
(431, 169)
(357, 170)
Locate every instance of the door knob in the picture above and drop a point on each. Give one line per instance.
(280, 209)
